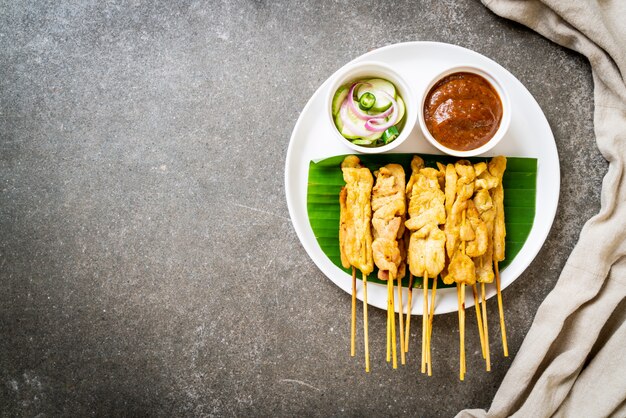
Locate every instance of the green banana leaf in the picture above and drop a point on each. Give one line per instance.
(326, 180)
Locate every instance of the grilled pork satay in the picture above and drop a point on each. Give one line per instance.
(426, 213)
(453, 221)
(459, 228)
(484, 266)
(416, 164)
(487, 212)
(461, 268)
(355, 235)
(389, 206)
(426, 253)
(497, 166)
(474, 232)
(481, 249)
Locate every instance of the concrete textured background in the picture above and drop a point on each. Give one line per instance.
(148, 265)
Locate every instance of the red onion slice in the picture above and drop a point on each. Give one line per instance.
(354, 108)
(378, 124)
(357, 111)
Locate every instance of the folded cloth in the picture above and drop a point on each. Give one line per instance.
(571, 362)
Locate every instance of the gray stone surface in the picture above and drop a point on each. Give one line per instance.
(148, 265)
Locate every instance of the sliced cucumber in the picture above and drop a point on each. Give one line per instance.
(344, 130)
(347, 133)
(338, 122)
(339, 97)
(374, 136)
(401, 109)
(363, 141)
(374, 86)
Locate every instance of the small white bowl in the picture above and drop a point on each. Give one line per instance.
(371, 69)
(504, 122)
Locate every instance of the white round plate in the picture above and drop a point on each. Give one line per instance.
(529, 135)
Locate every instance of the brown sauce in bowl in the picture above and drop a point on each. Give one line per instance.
(462, 111)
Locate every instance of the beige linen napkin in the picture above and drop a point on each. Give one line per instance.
(572, 363)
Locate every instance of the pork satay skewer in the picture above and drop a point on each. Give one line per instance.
(403, 244)
(484, 342)
(483, 202)
(416, 164)
(475, 238)
(497, 166)
(389, 207)
(431, 314)
(462, 307)
(343, 236)
(426, 253)
(409, 188)
(461, 239)
(355, 236)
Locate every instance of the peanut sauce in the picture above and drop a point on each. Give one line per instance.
(462, 111)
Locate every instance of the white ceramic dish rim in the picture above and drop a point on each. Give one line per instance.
(538, 143)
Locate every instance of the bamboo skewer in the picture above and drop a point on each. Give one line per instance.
(484, 298)
(431, 316)
(388, 325)
(408, 315)
(353, 322)
(401, 320)
(479, 321)
(505, 346)
(365, 333)
(424, 321)
(458, 296)
(463, 329)
(394, 354)
(462, 308)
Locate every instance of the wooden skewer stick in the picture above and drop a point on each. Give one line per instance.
(401, 320)
(408, 315)
(458, 297)
(462, 307)
(463, 328)
(392, 313)
(505, 346)
(488, 356)
(388, 325)
(353, 322)
(365, 333)
(479, 320)
(424, 321)
(431, 316)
